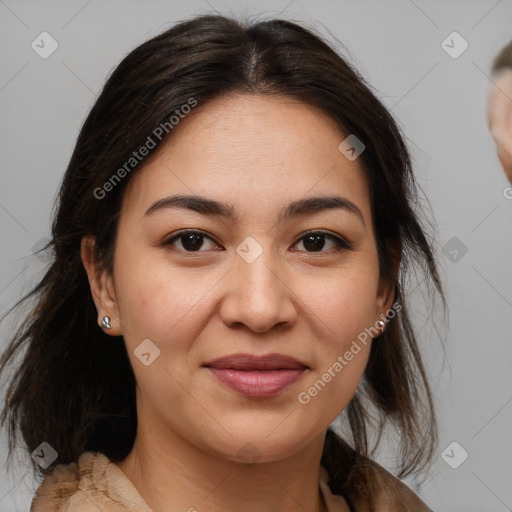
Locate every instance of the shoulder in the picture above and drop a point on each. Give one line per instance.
(78, 486)
(364, 475)
(56, 489)
(393, 495)
(396, 495)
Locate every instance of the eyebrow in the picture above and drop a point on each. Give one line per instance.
(214, 208)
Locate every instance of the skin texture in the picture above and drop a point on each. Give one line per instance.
(499, 117)
(256, 153)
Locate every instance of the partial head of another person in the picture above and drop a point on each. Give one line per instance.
(499, 108)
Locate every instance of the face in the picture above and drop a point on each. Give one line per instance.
(251, 277)
(499, 117)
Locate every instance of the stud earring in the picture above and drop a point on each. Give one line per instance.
(105, 322)
(381, 323)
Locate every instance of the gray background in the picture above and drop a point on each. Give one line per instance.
(439, 101)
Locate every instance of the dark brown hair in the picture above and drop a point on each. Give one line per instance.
(74, 387)
(503, 59)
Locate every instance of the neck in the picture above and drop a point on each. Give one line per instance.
(176, 471)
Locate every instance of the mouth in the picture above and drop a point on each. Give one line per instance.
(257, 376)
(250, 362)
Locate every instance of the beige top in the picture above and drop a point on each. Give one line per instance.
(97, 484)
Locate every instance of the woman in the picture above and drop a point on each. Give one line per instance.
(235, 227)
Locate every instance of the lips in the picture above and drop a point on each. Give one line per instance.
(256, 376)
(249, 362)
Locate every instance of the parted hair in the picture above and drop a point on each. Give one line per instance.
(74, 386)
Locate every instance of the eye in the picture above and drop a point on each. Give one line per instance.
(190, 240)
(314, 241)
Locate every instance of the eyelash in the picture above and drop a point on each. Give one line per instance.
(341, 244)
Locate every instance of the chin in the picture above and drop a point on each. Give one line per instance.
(263, 445)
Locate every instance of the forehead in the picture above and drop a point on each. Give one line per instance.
(255, 150)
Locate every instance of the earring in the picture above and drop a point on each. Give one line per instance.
(105, 323)
(381, 323)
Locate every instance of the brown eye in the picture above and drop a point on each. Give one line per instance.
(190, 241)
(315, 241)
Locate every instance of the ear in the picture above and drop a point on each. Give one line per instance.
(102, 288)
(386, 288)
(499, 117)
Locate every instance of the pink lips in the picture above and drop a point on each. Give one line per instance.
(257, 376)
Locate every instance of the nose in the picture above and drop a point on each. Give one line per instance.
(258, 295)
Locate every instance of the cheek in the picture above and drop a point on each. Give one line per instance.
(342, 353)
(345, 302)
(345, 306)
(165, 305)
(159, 301)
